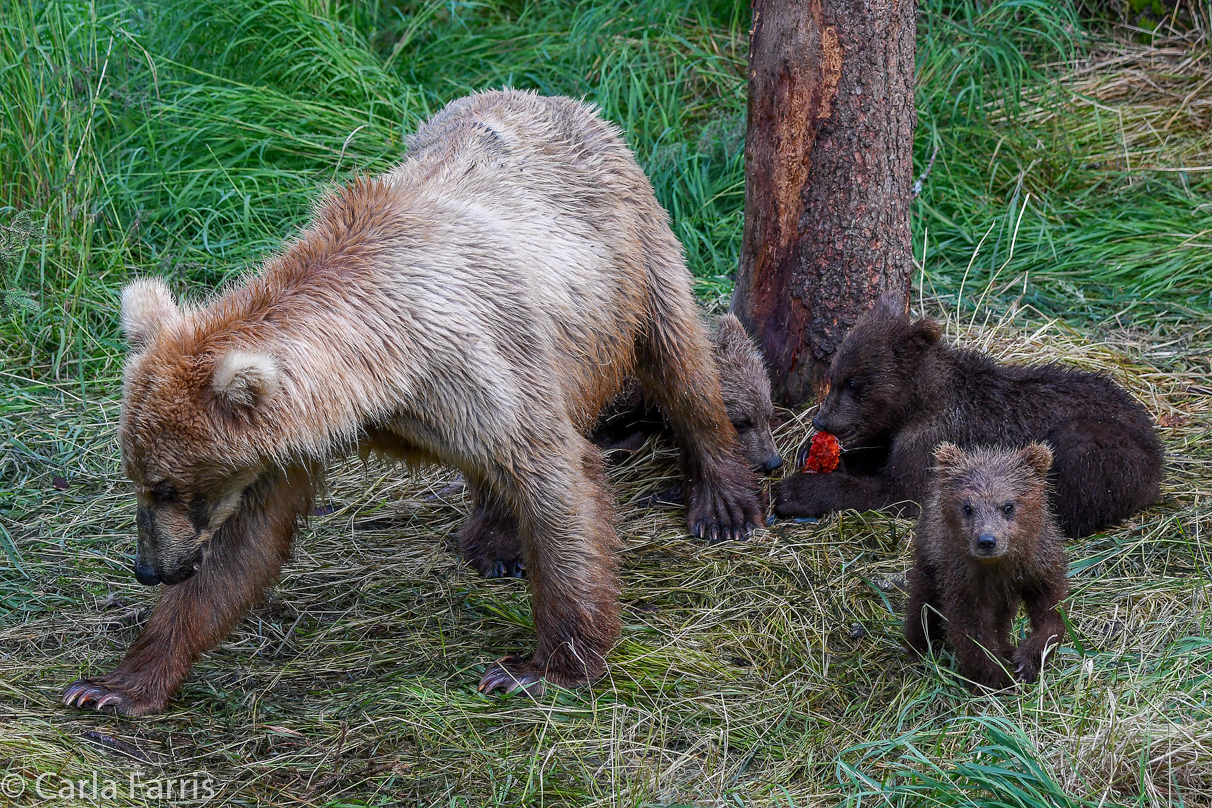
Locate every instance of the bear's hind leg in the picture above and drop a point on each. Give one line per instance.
(1102, 473)
(195, 615)
(571, 552)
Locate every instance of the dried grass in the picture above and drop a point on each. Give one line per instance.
(746, 671)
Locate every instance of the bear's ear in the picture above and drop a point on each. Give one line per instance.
(946, 457)
(730, 335)
(244, 379)
(147, 306)
(1038, 458)
(922, 334)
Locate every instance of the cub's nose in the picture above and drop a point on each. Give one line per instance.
(986, 543)
(144, 574)
(818, 424)
(773, 463)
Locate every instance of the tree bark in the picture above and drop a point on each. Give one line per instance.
(828, 168)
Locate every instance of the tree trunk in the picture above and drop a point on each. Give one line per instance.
(828, 167)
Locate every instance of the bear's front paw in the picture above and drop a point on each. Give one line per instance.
(803, 495)
(108, 694)
(1026, 665)
(725, 508)
(512, 673)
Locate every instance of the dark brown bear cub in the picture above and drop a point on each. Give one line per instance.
(894, 387)
(986, 542)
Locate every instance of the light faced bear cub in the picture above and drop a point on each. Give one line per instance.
(630, 419)
(476, 306)
(895, 388)
(987, 542)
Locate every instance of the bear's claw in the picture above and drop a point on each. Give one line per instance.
(514, 568)
(512, 673)
(83, 691)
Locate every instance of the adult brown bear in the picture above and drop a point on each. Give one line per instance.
(475, 306)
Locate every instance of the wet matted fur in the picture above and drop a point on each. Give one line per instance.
(475, 306)
(986, 543)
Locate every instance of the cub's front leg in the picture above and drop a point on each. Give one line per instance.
(814, 495)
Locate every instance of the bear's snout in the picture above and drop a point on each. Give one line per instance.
(986, 545)
(144, 573)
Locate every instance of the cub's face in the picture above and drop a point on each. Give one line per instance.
(868, 386)
(991, 501)
(746, 391)
(182, 434)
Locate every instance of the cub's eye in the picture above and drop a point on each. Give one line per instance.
(852, 385)
(967, 509)
(1008, 509)
(164, 493)
(742, 426)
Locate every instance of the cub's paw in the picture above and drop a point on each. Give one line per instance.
(512, 673)
(490, 544)
(1026, 666)
(803, 495)
(726, 508)
(109, 695)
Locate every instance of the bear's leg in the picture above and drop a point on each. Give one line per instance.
(973, 634)
(193, 616)
(814, 495)
(1102, 472)
(571, 552)
(676, 368)
(1047, 630)
(923, 621)
(489, 540)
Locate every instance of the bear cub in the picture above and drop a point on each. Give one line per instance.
(632, 418)
(987, 541)
(894, 387)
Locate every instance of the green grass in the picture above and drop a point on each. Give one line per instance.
(188, 139)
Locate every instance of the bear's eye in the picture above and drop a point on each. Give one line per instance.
(967, 509)
(164, 493)
(852, 385)
(1008, 509)
(742, 426)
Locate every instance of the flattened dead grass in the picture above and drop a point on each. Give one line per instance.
(748, 673)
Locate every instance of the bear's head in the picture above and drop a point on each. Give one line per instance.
(746, 391)
(992, 502)
(870, 383)
(191, 409)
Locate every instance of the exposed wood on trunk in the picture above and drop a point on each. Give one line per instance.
(829, 165)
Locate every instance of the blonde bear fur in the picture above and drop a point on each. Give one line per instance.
(475, 306)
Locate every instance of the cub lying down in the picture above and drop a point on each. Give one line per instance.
(895, 388)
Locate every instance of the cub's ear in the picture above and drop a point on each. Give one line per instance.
(947, 456)
(147, 306)
(244, 379)
(1037, 457)
(921, 335)
(730, 335)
